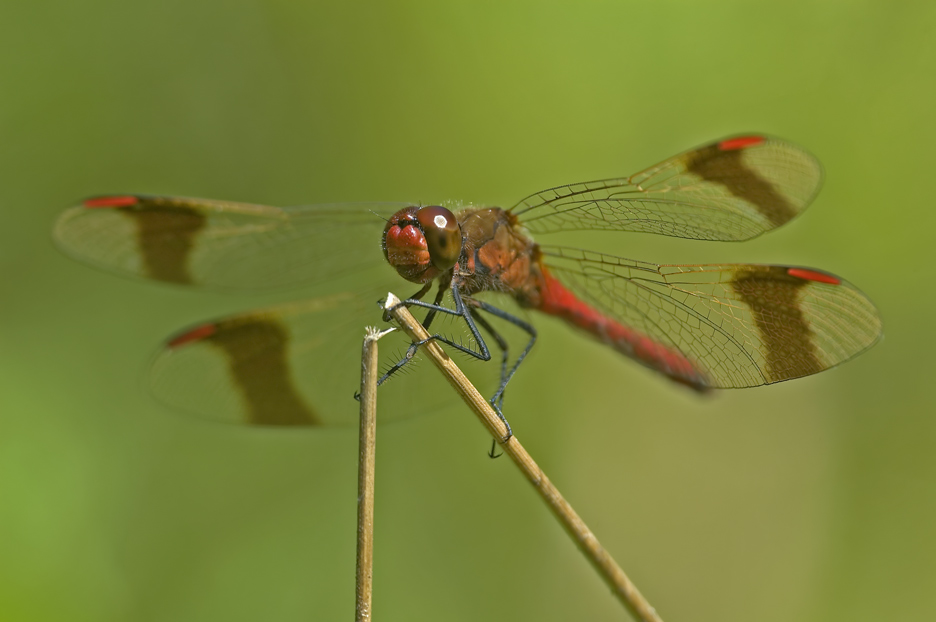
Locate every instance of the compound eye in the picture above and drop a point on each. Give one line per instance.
(443, 235)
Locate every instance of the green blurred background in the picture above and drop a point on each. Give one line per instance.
(810, 500)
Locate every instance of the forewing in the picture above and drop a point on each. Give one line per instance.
(220, 243)
(740, 325)
(732, 189)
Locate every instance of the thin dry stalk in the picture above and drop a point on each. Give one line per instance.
(586, 541)
(366, 455)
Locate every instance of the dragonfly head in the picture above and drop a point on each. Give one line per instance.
(422, 242)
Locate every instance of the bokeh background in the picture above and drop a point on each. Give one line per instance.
(810, 500)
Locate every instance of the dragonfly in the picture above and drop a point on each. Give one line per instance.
(707, 326)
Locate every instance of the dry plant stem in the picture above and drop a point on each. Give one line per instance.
(366, 454)
(622, 587)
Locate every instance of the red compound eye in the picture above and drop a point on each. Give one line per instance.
(443, 235)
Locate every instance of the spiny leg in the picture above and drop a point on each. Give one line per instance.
(484, 353)
(504, 346)
(437, 303)
(469, 316)
(460, 310)
(524, 326)
(501, 343)
(411, 350)
(417, 296)
(466, 309)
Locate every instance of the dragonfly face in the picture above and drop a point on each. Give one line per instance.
(422, 242)
(704, 326)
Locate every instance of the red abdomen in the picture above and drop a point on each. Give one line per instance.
(556, 300)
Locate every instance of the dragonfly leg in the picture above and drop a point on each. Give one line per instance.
(501, 343)
(411, 351)
(438, 304)
(461, 310)
(483, 353)
(498, 398)
(435, 307)
(418, 295)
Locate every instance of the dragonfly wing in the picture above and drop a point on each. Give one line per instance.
(740, 325)
(220, 243)
(297, 364)
(733, 189)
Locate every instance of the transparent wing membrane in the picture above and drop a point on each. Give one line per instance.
(741, 325)
(223, 244)
(298, 364)
(734, 189)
